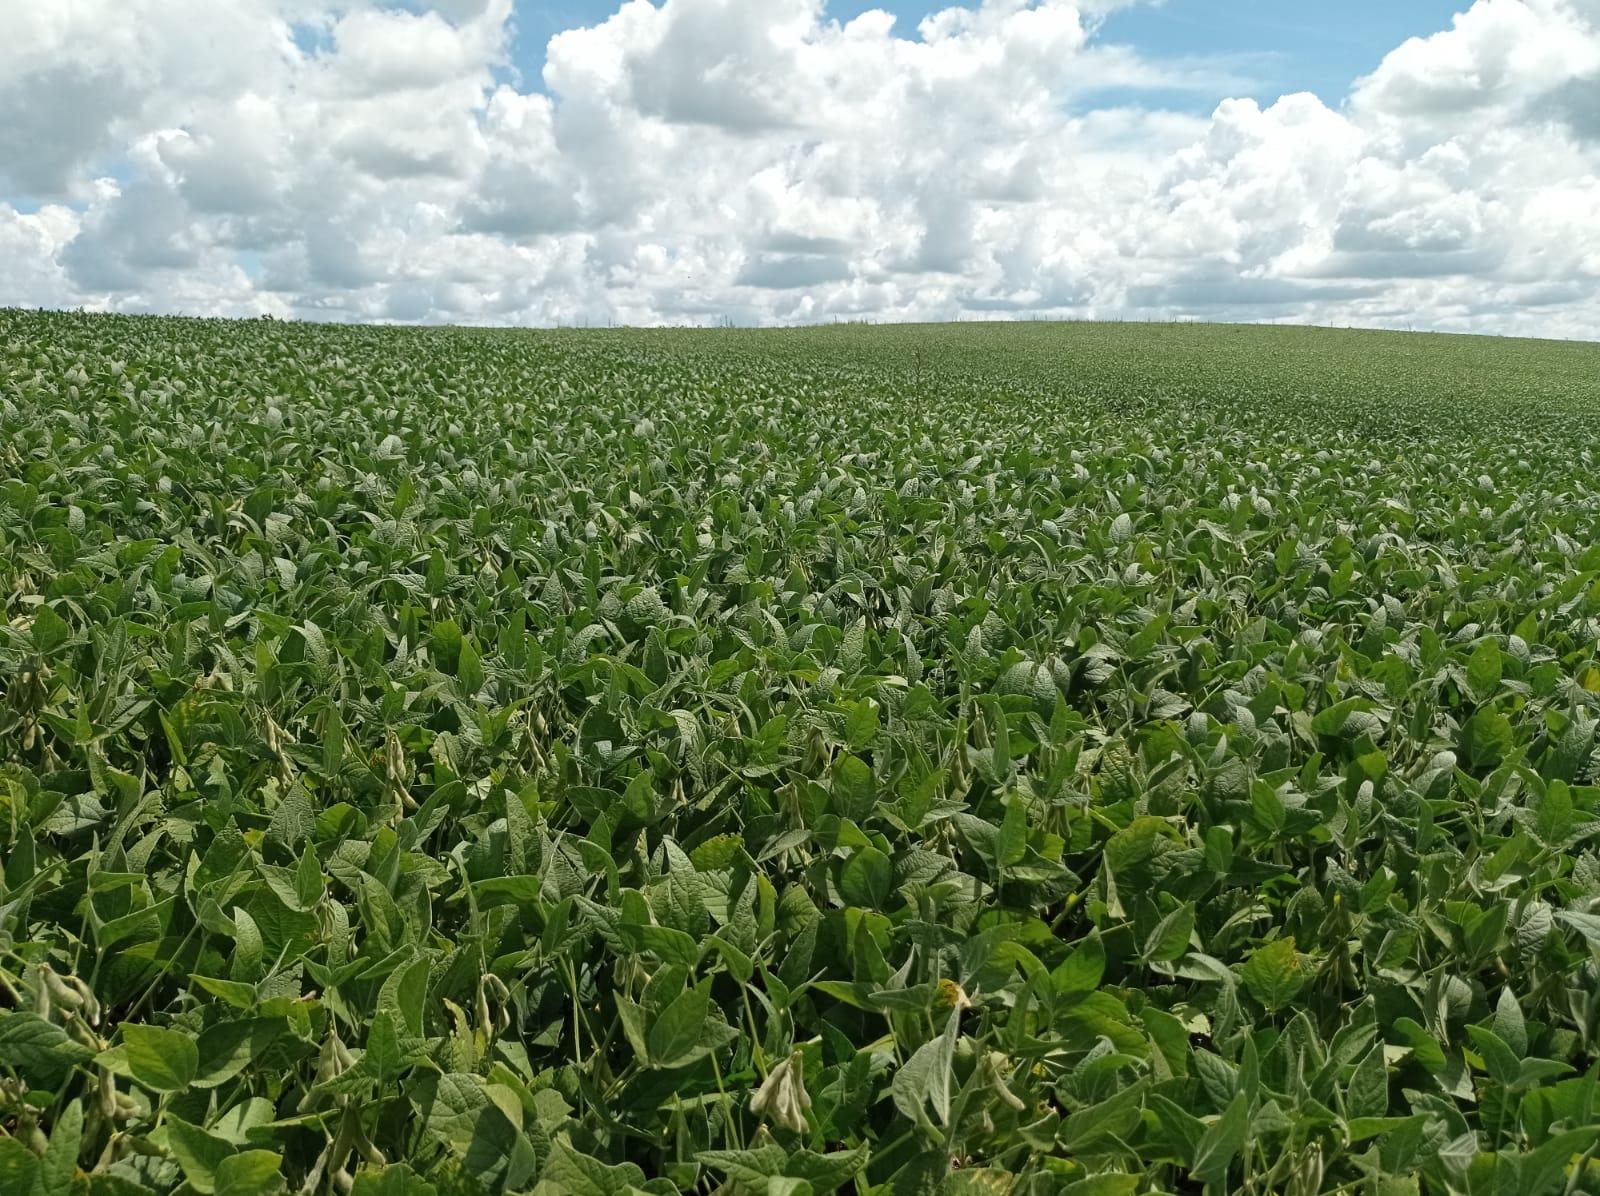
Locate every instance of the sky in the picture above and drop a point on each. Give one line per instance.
(1387, 163)
(1268, 47)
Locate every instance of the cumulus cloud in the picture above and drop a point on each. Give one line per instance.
(690, 160)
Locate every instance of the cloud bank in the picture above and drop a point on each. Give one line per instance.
(757, 160)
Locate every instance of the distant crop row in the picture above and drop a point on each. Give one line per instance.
(1006, 759)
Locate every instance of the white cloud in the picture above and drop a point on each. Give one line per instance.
(29, 245)
(690, 159)
(1497, 57)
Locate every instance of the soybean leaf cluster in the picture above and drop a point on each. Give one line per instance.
(977, 759)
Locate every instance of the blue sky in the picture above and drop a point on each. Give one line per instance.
(1320, 46)
(1273, 46)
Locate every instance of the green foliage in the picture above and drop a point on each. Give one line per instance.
(1026, 759)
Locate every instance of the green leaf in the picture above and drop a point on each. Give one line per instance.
(1170, 937)
(668, 944)
(1553, 814)
(308, 884)
(1423, 1045)
(39, 1050)
(227, 1048)
(1487, 738)
(924, 1079)
(750, 1167)
(405, 994)
(1544, 1169)
(852, 788)
(631, 1017)
(1107, 1183)
(457, 1111)
(866, 878)
(388, 1056)
(1274, 975)
(739, 964)
(249, 1173)
(198, 1152)
(293, 819)
(1500, 1060)
(161, 1060)
(49, 630)
(19, 1168)
(1484, 670)
(1368, 1091)
(1222, 1142)
(237, 1123)
(1113, 1118)
(60, 1161)
(1587, 925)
(860, 724)
(1509, 1023)
(674, 1037)
(826, 1172)
(1332, 720)
(1082, 969)
(248, 948)
(396, 1179)
(232, 992)
(569, 1173)
(469, 669)
(1012, 844)
(1182, 1129)
(389, 1053)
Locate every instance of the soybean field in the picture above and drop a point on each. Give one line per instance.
(1077, 759)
